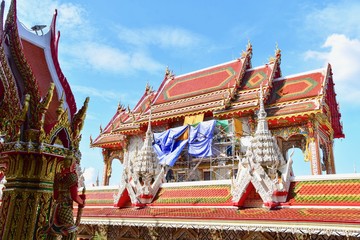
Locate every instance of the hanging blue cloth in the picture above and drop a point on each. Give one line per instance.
(167, 147)
(200, 139)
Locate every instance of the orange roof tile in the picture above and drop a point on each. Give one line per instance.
(296, 88)
(304, 215)
(194, 195)
(330, 192)
(335, 201)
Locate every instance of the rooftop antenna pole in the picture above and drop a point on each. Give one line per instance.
(37, 28)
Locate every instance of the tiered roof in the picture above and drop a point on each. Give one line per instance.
(226, 90)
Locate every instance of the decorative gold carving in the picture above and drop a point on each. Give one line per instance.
(154, 235)
(43, 107)
(31, 86)
(31, 153)
(248, 51)
(78, 123)
(102, 232)
(215, 234)
(277, 56)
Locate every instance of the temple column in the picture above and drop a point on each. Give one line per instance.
(313, 149)
(27, 198)
(315, 156)
(331, 161)
(105, 177)
(107, 167)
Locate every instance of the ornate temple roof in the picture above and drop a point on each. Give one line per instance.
(33, 88)
(315, 203)
(36, 56)
(230, 89)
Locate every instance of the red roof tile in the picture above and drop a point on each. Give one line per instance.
(255, 77)
(197, 83)
(306, 215)
(306, 202)
(194, 195)
(296, 88)
(334, 192)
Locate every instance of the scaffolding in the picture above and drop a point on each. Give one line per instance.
(227, 145)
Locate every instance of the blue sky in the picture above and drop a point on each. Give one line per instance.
(109, 50)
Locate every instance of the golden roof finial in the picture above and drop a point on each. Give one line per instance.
(148, 88)
(248, 46)
(168, 73)
(248, 49)
(120, 107)
(277, 56)
(48, 97)
(60, 109)
(79, 118)
(277, 51)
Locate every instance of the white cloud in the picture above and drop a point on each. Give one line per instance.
(104, 57)
(106, 95)
(165, 37)
(344, 56)
(71, 17)
(340, 17)
(85, 46)
(90, 175)
(35, 12)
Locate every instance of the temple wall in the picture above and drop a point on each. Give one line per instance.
(164, 233)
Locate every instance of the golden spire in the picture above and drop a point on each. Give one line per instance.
(60, 109)
(277, 56)
(248, 50)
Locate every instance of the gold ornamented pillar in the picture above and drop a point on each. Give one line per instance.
(32, 157)
(28, 195)
(314, 157)
(313, 148)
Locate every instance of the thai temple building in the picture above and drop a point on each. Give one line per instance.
(208, 155)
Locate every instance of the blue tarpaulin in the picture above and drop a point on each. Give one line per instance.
(200, 139)
(167, 147)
